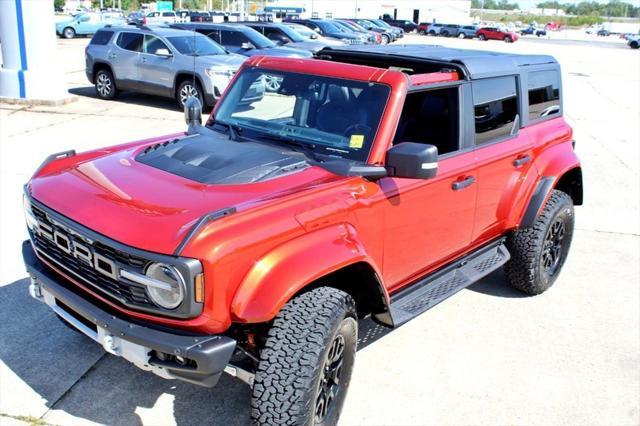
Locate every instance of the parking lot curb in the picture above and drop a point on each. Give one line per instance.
(38, 102)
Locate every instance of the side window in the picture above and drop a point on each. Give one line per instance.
(495, 103)
(544, 94)
(431, 117)
(213, 35)
(233, 38)
(153, 44)
(275, 35)
(130, 41)
(101, 37)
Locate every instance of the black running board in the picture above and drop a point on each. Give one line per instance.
(428, 291)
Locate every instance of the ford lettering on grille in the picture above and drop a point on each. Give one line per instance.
(65, 242)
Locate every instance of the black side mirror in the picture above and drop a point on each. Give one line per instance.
(412, 160)
(193, 112)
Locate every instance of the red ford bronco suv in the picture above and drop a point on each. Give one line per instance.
(376, 181)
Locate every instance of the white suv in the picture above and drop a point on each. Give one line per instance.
(163, 17)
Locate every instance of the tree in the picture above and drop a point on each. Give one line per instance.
(58, 4)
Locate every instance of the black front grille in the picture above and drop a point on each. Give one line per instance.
(123, 292)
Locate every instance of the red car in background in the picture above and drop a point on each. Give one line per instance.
(496, 33)
(423, 28)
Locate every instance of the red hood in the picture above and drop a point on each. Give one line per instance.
(144, 207)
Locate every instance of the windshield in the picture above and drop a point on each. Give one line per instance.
(381, 23)
(333, 117)
(329, 27)
(294, 36)
(196, 45)
(346, 26)
(301, 29)
(258, 40)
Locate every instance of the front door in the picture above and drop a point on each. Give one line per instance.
(428, 222)
(156, 72)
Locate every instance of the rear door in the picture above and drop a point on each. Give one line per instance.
(504, 154)
(125, 59)
(156, 72)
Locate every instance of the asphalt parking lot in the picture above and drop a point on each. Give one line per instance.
(487, 356)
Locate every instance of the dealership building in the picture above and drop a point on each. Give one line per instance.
(446, 11)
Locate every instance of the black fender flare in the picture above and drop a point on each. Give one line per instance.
(538, 198)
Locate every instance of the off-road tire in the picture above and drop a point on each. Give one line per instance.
(105, 85)
(525, 271)
(68, 33)
(634, 45)
(292, 363)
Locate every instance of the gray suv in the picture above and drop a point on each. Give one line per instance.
(160, 61)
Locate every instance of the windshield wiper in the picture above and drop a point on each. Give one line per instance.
(305, 148)
(234, 129)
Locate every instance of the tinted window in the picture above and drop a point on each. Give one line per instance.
(495, 103)
(101, 37)
(130, 41)
(168, 14)
(431, 117)
(544, 94)
(213, 35)
(196, 45)
(153, 44)
(233, 38)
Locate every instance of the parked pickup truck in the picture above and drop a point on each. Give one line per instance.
(375, 182)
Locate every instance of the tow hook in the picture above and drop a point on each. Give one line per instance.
(110, 345)
(240, 373)
(35, 290)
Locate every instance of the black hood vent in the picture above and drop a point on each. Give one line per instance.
(217, 160)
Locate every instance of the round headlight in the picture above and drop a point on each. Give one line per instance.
(168, 297)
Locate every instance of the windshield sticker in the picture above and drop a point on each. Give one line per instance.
(356, 141)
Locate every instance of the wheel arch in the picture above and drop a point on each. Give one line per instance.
(332, 257)
(569, 182)
(101, 66)
(185, 75)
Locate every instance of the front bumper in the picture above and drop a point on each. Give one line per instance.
(195, 359)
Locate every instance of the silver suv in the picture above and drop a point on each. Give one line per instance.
(160, 61)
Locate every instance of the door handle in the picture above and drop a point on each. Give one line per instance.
(462, 184)
(522, 160)
(144, 59)
(112, 56)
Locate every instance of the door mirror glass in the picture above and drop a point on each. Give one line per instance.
(247, 45)
(412, 160)
(163, 52)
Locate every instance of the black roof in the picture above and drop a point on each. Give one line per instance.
(475, 63)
